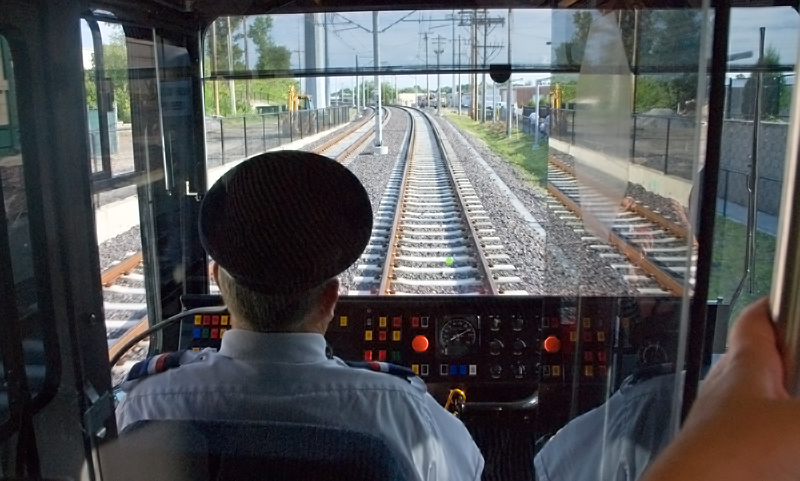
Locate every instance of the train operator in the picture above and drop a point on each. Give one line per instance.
(280, 227)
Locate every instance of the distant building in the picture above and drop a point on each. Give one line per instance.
(522, 95)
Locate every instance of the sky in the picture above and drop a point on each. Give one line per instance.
(403, 33)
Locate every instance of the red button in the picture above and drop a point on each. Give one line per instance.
(415, 322)
(381, 335)
(367, 355)
(397, 322)
(214, 333)
(420, 344)
(552, 344)
(382, 355)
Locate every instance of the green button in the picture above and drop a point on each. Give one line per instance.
(395, 356)
(206, 333)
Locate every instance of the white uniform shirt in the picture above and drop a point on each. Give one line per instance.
(287, 377)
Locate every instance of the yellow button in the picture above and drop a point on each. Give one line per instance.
(367, 335)
(382, 322)
(601, 336)
(415, 368)
(195, 349)
(626, 324)
(198, 319)
(588, 371)
(573, 336)
(556, 370)
(587, 322)
(224, 320)
(343, 321)
(221, 332)
(396, 335)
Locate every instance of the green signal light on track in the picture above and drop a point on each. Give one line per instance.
(449, 261)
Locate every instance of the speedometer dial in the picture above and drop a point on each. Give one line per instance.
(456, 337)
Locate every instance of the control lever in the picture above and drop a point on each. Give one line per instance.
(530, 403)
(455, 401)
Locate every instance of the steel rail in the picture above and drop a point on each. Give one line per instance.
(484, 266)
(125, 267)
(634, 254)
(671, 227)
(388, 264)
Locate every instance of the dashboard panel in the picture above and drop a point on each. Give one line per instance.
(564, 355)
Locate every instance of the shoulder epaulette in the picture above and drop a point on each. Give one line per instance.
(155, 365)
(377, 366)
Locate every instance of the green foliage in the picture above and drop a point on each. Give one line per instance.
(668, 38)
(273, 91)
(115, 63)
(516, 150)
(728, 263)
(772, 85)
(270, 56)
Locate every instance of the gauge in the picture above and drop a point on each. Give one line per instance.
(456, 337)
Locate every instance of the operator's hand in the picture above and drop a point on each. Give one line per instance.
(743, 425)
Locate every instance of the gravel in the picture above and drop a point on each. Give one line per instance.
(558, 264)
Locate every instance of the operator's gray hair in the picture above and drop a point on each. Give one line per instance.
(260, 312)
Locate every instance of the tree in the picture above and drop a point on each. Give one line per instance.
(772, 85)
(270, 56)
(115, 63)
(571, 52)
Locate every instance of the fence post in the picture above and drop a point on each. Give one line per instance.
(572, 114)
(222, 140)
(244, 127)
(725, 205)
(633, 144)
(263, 133)
(666, 148)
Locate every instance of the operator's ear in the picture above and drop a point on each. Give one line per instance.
(213, 271)
(330, 295)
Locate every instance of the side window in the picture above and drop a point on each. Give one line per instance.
(22, 343)
(114, 178)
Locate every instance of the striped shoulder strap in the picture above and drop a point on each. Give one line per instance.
(377, 366)
(155, 364)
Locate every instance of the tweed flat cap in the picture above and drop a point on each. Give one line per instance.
(285, 221)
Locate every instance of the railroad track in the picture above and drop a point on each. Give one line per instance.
(124, 301)
(341, 146)
(654, 247)
(431, 233)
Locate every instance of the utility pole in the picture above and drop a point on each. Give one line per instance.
(438, 51)
(453, 61)
(378, 148)
(231, 85)
(357, 91)
(214, 65)
(510, 82)
(246, 60)
(459, 76)
(427, 77)
(327, 60)
(485, 35)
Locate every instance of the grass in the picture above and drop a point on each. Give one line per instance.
(728, 264)
(516, 150)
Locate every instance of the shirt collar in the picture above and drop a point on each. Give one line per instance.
(273, 346)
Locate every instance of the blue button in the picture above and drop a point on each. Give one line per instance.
(453, 369)
(197, 333)
(462, 369)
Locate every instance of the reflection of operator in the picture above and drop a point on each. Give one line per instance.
(280, 228)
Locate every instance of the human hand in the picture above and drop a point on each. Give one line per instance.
(743, 425)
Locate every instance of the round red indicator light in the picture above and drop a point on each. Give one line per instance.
(420, 343)
(552, 344)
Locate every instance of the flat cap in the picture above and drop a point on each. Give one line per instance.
(285, 221)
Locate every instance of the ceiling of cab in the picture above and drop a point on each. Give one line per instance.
(214, 8)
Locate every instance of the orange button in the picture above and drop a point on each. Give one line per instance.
(552, 344)
(420, 343)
